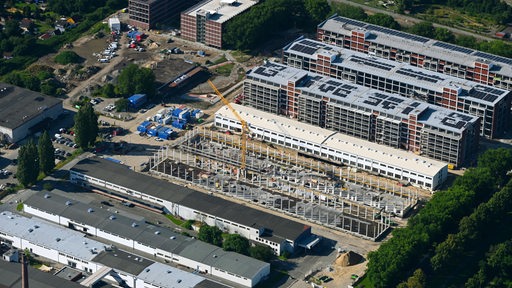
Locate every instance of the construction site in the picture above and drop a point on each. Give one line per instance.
(282, 180)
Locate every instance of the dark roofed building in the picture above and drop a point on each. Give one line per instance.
(10, 277)
(21, 110)
(279, 233)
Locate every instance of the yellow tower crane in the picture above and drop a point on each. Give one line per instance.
(245, 127)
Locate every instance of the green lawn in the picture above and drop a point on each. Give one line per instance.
(174, 219)
(225, 70)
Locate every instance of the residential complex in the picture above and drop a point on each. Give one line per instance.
(205, 22)
(145, 14)
(277, 232)
(24, 112)
(336, 147)
(419, 51)
(96, 259)
(491, 104)
(362, 112)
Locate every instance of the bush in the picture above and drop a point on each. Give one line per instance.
(68, 57)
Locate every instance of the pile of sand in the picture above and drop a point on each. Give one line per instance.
(348, 259)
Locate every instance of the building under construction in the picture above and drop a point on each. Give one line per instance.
(284, 181)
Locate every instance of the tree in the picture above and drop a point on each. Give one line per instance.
(133, 80)
(349, 11)
(499, 162)
(28, 164)
(260, 252)
(46, 153)
(424, 29)
(210, 234)
(86, 126)
(236, 243)
(443, 34)
(383, 20)
(122, 105)
(318, 10)
(67, 57)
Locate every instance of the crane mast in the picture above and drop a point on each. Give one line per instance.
(245, 127)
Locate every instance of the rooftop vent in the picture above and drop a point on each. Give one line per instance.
(46, 196)
(57, 239)
(157, 232)
(169, 271)
(90, 210)
(36, 226)
(30, 229)
(134, 224)
(112, 217)
(68, 203)
(172, 237)
(147, 270)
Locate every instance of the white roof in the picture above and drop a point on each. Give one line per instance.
(114, 20)
(50, 235)
(330, 139)
(221, 10)
(167, 276)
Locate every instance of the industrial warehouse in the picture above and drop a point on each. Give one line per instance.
(365, 113)
(97, 260)
(277, 232)
(489, 103)
(419, 51)
(205, 21)
(389, 162)
(24, 112)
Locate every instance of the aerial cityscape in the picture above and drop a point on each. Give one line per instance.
(255, 143)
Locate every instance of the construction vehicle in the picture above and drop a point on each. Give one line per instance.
(245, 128)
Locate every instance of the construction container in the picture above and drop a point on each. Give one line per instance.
(154, 130)
(176, 112)
(197, 113)
(185, 115)
(137, 100)
(143, 126)
(165, 133)
(180, 124)
(167, 120)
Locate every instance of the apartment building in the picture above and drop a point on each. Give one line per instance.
(205, 21)
(145, 14)
(491, 104)
(419, 51)
(365, 113)
(325, 144)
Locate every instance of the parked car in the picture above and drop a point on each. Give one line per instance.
(159, 139)
(106, 203)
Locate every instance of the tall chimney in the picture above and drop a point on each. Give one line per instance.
(24, 271)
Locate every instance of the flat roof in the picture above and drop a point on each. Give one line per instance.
(19, 105)
(121, 175)
(123, 261)
(50, 235)
(163, 275)
(329, 139)
(366, 99)
(398, 71)
(142, 232)
(10, 277)
(425, 46)
(220, 11)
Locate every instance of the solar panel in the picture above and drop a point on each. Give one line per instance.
(493, 57)
(326, 87)
(396, 100)
(341, 92)
(350, 21)
(379, 95)
(349, 87)
(419, 75)
(415, 104)
(312, 43)
(407, 110)
(371, 62)
(388, 105)
(397, 33)
(494, 90)
(452, 47)
(334, 83)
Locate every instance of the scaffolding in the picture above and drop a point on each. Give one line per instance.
(280, 180)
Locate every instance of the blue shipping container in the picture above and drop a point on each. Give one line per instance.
(180, 124)
(176, 112)
(153, 131)
(142, 127)
(137, 100)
